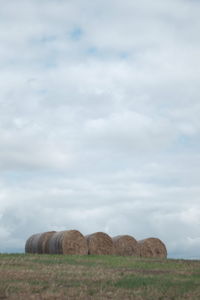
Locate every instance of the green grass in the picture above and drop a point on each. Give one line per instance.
(27, 276)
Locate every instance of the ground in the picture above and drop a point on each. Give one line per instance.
(32, 276)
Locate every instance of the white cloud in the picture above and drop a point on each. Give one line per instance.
(100, 132)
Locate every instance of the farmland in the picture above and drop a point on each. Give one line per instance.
(29, 276)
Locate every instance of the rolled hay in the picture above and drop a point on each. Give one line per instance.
(99, 243)
(31, 245)
(28, 244)
(43, 242)
(125, 245)
(70, 242)
(35, 242)
(152, 247)
(53, 245)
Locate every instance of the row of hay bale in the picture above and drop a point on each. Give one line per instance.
(72, 242)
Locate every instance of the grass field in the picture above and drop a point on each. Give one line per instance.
(29, 276)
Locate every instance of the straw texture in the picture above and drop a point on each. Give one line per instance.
(32, 243)
(70, 242)
(125, 245)
(43, 241)
(28, 244)
(152, 247)
(99, 243)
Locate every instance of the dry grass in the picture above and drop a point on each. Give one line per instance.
(125, 245)
(97, 277)
(99, 243)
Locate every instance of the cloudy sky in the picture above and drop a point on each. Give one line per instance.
(99, 120)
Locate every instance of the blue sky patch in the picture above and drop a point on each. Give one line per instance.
(76, 34)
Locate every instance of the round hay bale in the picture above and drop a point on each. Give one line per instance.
(152, 247)
(34, 242)
(28, 244)
(53, 245)
(99, 243)
(125, 245)
(43, 246)
(70, 242)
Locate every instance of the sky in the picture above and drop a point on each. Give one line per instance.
(99, 120)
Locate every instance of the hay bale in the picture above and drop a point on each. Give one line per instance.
(53, 245)
(43, 247)
(70, 242)
(31, 245)
(35, 242)
(99, 243)
(152, 247)
(125, 245)
(28, 244)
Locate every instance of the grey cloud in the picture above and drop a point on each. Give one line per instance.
(105, 140)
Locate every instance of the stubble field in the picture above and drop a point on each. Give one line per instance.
(32, 276)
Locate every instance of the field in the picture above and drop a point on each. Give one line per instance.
(32, 276)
